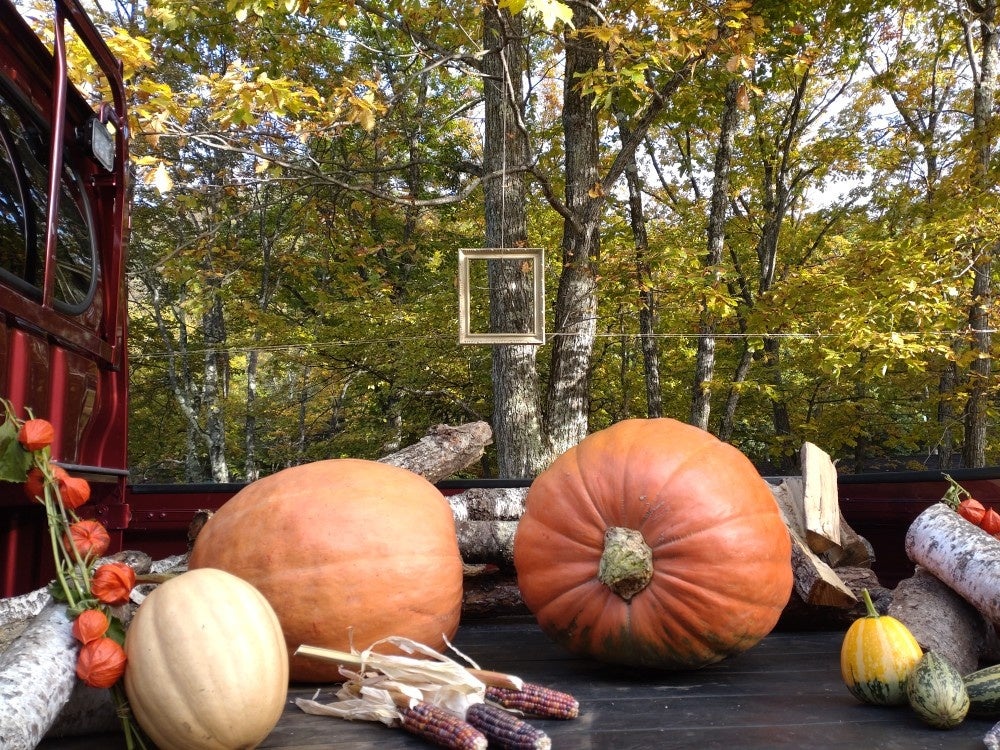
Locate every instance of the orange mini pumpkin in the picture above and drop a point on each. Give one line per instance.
(346, 551)
(652, 543)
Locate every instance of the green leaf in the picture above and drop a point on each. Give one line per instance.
(14, 459)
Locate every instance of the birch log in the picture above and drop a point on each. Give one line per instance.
(487, 541)
(489, 504)
(961, 555)
(23, 607)
(37, 674)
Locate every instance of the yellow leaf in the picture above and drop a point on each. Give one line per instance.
(161, 179)
(742, 98)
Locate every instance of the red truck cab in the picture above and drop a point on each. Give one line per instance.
(63, 230)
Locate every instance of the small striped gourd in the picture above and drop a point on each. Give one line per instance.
(877, 656)
(937, 693)
(983, 689)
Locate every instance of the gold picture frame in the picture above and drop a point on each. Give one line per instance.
(535, 256)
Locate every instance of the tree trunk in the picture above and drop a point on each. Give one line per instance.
(517, 420)
(568, 397)
(946, 415)
(728, 421)
(644, 284)
(984, 96)
(701, 402)
(214, 389)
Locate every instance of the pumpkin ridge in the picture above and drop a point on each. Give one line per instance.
(692, 460)
(549, 521)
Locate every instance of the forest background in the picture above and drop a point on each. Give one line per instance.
(775, 220)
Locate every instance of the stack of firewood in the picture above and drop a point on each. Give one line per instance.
(831, 563)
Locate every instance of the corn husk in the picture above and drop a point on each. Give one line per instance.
(375, 683)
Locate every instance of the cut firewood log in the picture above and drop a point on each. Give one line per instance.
(941, 620)
(87, 711)
(815, 581)
(820, 502)
(798, 615)
(853, 551)
(959, 554)
(443, 451)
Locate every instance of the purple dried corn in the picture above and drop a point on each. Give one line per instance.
(504, 730)
(536, 700)
(441, 727)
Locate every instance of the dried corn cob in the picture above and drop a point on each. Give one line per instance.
(536, 700)
(441, 727)
(504, 730)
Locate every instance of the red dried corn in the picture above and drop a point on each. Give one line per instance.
(441, 727)
(536, 700)
(504, 730)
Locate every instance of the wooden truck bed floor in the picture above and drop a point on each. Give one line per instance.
(784, 693)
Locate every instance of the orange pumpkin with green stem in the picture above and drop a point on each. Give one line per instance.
(652, 543)
(347, 551)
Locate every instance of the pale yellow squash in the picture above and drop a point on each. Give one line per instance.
(207, 665)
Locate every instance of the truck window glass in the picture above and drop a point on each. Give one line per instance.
(14, 225)
(25, 163)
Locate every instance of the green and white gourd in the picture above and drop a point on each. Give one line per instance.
(936, 691)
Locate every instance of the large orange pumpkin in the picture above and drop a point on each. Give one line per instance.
(652, 543)
(346, 551)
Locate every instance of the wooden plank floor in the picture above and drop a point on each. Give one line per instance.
(784, 693)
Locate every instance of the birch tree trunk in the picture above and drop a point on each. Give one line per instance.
(644, 285)
(517, 420)
(215, 387)
(568, 397)
(701, 401)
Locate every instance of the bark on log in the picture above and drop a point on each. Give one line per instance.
(23, 607)
(17, 611)
(489, 504)
(487, 541)
(37, 674)
(941, 620)
(961, 555)
(443, 451)
(492, 596)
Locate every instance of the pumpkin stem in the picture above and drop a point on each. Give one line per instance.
(869, 605)
(627, 562)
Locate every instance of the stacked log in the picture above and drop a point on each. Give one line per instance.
(951, 603)
(831, 562)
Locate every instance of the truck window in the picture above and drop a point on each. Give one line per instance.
(23, 207)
